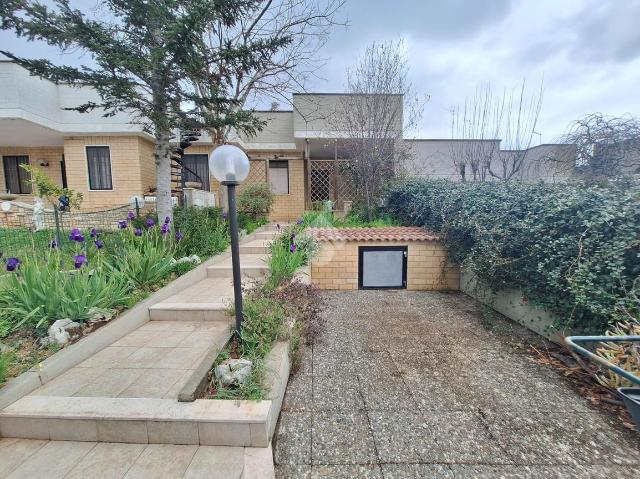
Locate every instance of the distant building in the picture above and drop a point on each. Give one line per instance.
(111, 159)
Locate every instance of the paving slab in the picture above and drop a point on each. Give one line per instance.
(25, 458)
(441, 394)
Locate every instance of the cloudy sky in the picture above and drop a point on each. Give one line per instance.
(588, 52)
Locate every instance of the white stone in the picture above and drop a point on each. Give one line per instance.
(233, 372)
(59, 331)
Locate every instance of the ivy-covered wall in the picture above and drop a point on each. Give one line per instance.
(573, 249)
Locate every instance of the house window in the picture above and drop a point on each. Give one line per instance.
(279, 176)
(195, 168)
(99, 166)
(16, 179)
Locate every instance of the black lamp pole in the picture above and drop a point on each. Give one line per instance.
(235, 254)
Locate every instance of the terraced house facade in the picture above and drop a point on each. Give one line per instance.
(110, 159)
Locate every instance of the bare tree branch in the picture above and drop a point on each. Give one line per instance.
(605, 146)
(373, 117)
(485, 119)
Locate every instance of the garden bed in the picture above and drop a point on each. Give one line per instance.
(35, 291)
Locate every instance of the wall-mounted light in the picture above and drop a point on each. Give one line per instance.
(43, 163)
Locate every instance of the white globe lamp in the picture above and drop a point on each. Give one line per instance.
(229, 164)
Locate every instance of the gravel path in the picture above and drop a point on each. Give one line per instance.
(413, 385)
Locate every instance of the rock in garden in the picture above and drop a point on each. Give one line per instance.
(233, 372)
(59, 331)
(97, 315)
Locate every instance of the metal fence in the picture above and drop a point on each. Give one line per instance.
(331, 180)
(25, 227)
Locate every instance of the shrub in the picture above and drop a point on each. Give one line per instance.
(255, 200)
(144, 268)
(263, 323)
(289, 251)
(205, 231)
(571, 248)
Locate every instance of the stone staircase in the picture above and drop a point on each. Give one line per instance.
(128, 391)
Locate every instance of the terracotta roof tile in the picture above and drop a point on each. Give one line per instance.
(392, 233)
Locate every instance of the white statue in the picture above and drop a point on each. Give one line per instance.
(38, 214)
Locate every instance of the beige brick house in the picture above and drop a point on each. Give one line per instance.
(110, 159)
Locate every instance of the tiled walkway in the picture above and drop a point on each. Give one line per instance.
(153, 361)
(28, 459)
(413, 385)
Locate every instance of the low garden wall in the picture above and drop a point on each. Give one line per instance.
(336, 266)
(513, 304)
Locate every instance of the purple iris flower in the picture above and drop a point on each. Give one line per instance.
(122, 224)
(225, 215)
(94, 233)
(293, 247)
(79, 260)
(179, 235)
(53, 244)
(165, 229)
(278, 226)
(299, 222)
(137, 232)
(293, 236)
(99, 244)
(13, 263)
(150, 222)
(131, 215)
(76, 235)
(167, 220)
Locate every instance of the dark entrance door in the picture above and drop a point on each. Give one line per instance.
(382, 267)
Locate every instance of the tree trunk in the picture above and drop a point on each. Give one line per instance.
(163, 176)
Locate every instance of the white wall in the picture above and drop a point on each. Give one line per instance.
(435, 159)
(43, 103)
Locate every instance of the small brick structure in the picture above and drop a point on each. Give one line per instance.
(337, 265)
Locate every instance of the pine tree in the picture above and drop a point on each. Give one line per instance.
(142, 53)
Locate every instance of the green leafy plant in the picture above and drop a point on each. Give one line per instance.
(40, 293)
(289, 251)
(144, 268)
(46, 188)
(571, 248)
(205, 231)
(255, 200)
(356, 219)
(5, 361)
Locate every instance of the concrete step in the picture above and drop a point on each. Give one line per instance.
(258, 246)
(274, 227)
(266, 235)
(138, 420)
(251, 266)
(48, 459)
(207, 300)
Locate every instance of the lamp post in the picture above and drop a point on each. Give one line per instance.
(230, 166)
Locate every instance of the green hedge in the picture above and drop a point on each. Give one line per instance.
(573, 249)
